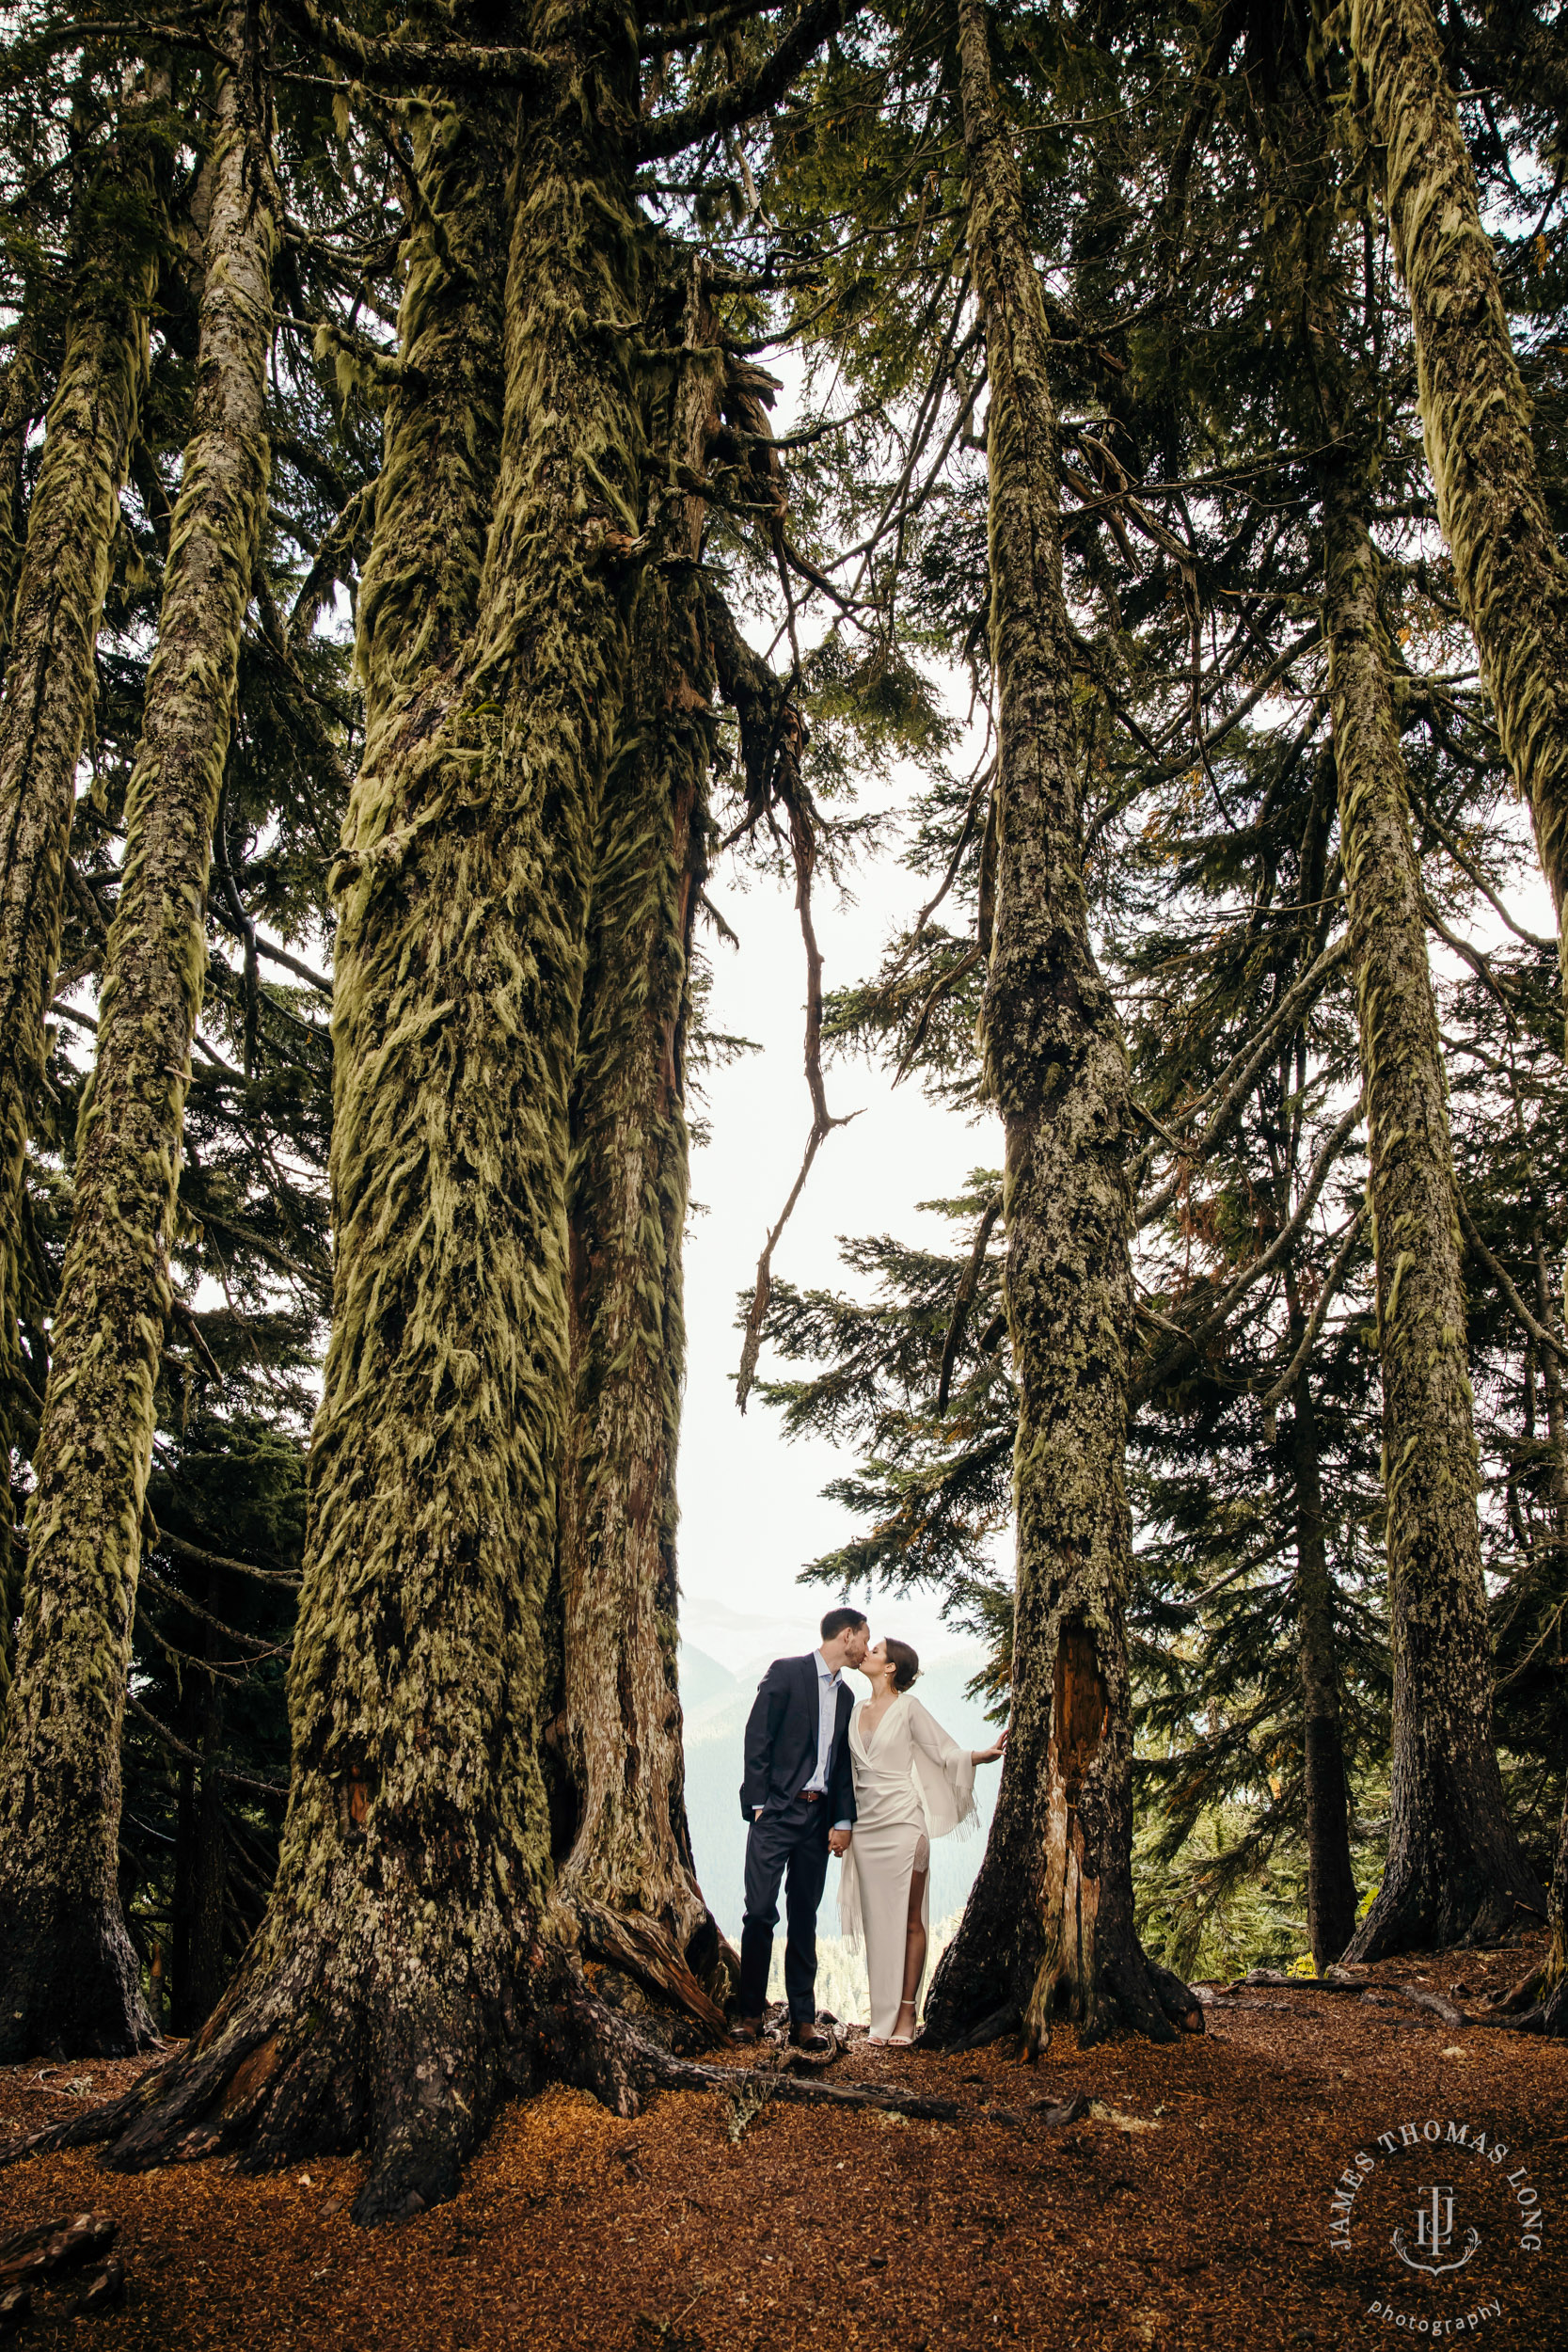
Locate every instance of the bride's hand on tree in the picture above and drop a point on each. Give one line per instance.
(988, 1756)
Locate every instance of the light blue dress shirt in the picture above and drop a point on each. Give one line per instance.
(827, 1694)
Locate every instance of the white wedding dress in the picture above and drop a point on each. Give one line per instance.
(912, 1783)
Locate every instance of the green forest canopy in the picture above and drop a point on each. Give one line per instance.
(438, 624)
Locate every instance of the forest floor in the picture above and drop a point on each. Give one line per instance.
(1191, 2206)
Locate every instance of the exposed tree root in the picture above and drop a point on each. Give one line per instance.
(1000, 2022)
(1472, 1898)
(271, 2094)
(631, 1941)
(1134, 1994)
(1146, 1997)
(1549, 2017)
(1537, 2004)
(1534, 2006)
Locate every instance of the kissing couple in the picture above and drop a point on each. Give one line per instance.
(873, 1783)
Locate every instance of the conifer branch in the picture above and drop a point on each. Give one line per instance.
(944, 987)
(1310, 1337)
(1230, 1089)
(181, 1549)
(985, 776)
(413, 64)
(1501, 1275)
(753, 94)
(658, 40)
(967, 1284)
(151, 1582)
(1154, 1376)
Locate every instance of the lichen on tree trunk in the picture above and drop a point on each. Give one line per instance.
(19, 408)
(411, 1965)
(1511, 574)
(1550, 2013)
(53, 628)
(1330, 1877)
(1049, 1927)
(67, 1973)
(626, 1866)
(1454, 1869)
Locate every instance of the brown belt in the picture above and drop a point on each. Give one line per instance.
(811, 1796)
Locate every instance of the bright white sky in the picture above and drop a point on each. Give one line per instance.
(751, 1512)
(751, 1508)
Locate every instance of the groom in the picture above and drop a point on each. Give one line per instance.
(800, 1799)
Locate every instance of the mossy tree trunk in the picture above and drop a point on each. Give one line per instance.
(1454, 1869)
(52, 627)
(411, 1965)
(1511, 571)
(627, 1862)
(67, 1973)
(1551, 2016)
(1330, 1876)
(19, 410)
(1049, 1925)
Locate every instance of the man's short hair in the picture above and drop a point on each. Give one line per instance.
(838, 1621)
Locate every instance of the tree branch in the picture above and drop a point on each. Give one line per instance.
(1155, 1374)
(1308, 1339)
(1499, 1273)
(1230, 1089)
(753, 94)
(969, 1284)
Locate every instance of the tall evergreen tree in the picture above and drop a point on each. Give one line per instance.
(1049, 1925)
(1511, 574)
(65, 1965)
(417, 1956)
(1454, 1869)
(628, 1873)
(59, 598)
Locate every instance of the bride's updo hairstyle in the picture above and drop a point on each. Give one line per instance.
(904, 1661)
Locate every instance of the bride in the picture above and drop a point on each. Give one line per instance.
(912, 1783)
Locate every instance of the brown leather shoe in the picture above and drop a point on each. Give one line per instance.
(747, 2029)
(808, 2038)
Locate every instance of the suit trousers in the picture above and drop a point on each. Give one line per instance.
(788, 1841)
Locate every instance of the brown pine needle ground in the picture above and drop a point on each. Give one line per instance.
(1191, 2206)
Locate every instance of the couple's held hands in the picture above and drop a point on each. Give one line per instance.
(988, 1756)
(838, 1840)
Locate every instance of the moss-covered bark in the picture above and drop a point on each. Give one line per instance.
(1475, 413)
(1455, 1868)
(1330, 1878)
(67, 1973)
(54, 627)
(410, 1966)
(626, 1864)
(1553, 1983)
(1049, 1925)
(19, 407)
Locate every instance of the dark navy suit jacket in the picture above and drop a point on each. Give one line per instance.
(781, 1739)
